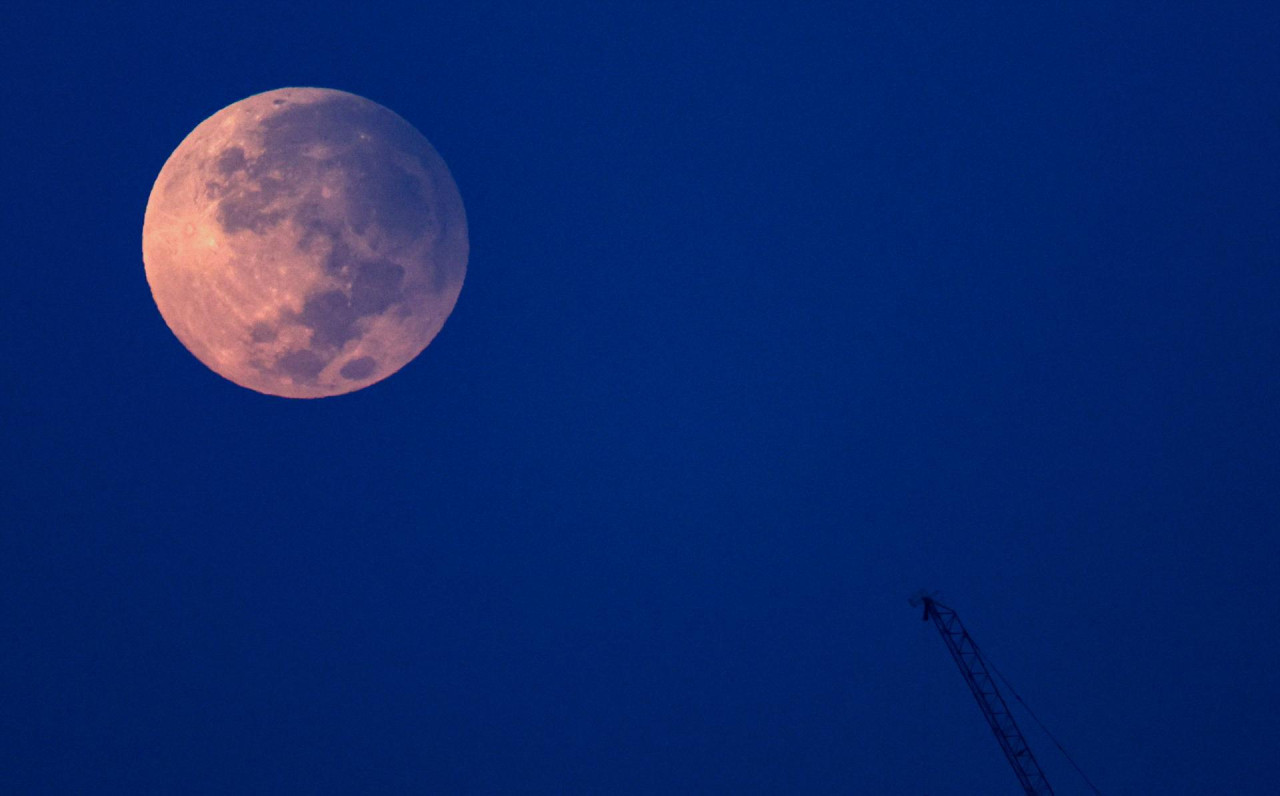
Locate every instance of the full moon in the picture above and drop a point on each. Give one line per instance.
(305, 242)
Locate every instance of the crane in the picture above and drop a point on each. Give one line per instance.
(977, 674)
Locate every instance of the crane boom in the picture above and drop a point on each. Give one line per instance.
(976, 674)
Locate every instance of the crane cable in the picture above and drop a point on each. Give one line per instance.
(1034, 718)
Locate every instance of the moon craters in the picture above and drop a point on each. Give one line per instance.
(360, 368)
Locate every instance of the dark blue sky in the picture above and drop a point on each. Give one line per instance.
(773, 316)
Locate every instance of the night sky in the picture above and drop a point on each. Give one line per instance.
(773, 316)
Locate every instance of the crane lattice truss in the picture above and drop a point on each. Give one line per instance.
(976, 674)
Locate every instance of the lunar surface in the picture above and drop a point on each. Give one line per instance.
(305, 242)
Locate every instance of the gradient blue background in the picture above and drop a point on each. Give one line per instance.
(774, 315)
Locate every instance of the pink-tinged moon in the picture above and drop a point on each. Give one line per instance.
(305, 242)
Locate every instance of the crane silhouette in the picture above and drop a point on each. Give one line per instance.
(977, 674)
